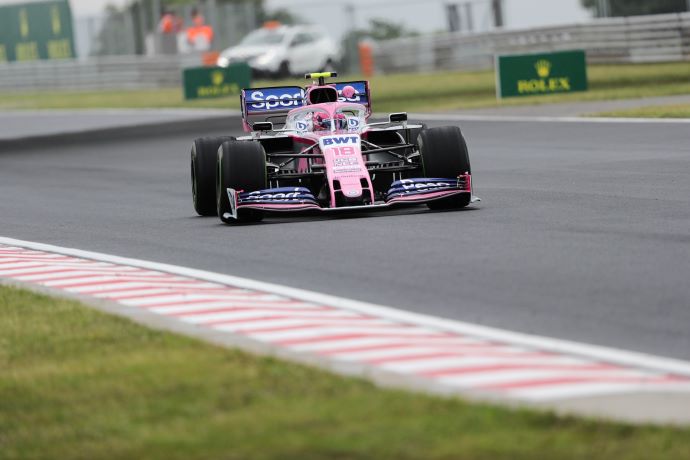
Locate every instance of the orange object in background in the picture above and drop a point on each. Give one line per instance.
(210, 58)
(204, 31)
(167, 24)
(200, 37)
(366, 59)
(270, 25)
(170, 23)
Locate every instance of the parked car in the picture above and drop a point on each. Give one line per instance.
(280, 51)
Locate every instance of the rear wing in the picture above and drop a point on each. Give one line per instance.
(275, 102)
(361, 95)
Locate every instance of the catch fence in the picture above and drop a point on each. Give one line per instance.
(654, 38)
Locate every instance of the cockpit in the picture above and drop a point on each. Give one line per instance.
(344, 118)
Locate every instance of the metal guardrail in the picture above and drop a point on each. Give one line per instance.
(108, 72)
(654, 38)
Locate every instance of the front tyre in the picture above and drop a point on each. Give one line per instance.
(241, 165)
(444, 155)
(203, 172)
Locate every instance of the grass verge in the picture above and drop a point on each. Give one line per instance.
(409, 92)
(660, 111)
(77, 383)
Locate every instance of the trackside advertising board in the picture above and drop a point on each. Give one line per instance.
(209, 82)
(543, 73)
(37, 30)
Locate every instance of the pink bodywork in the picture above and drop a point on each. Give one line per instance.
(342, 157)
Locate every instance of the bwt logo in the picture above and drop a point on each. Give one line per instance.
(270, 102)
(341, 140)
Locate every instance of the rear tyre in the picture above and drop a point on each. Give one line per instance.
(240, 166)
(444, 155)
(203, 169)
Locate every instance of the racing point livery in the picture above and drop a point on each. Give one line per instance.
(324, 156)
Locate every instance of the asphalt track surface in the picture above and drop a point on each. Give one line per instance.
(30, 123)
(583, 232)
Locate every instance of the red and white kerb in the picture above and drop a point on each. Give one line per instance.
(460, 361)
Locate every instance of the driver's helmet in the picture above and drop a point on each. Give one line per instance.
(321, 123)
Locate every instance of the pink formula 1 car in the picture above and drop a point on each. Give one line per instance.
(314, 150)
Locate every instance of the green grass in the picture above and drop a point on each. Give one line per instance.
(410, 92)
(77, 383)
(657, 111)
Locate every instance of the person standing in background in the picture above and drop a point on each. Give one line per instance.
(199, 35)
(166, 25)
(169, 26)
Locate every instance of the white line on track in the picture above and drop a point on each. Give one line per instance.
(443, 352)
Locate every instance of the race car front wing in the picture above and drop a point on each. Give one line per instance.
(292, 199)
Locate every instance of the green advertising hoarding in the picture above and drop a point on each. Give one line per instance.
(542, 73)
(37, 30)
(209, 82)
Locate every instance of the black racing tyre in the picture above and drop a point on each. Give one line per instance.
(241, 165)
(444, 155)
(203, 169)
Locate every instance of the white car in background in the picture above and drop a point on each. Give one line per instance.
(280, 51)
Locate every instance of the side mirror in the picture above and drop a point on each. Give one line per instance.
(399, 117)
(262, 126)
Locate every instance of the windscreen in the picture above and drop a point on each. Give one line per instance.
(355, 116)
